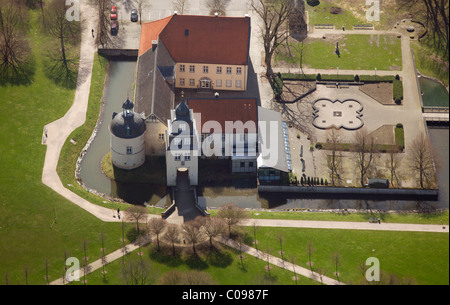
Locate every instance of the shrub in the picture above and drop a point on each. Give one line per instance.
(398, 91)
(319, 77)
(278, 86)
(357, 78)
(319, 145)
(313, 2)
(399, 125)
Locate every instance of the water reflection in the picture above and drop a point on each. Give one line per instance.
(433, 93)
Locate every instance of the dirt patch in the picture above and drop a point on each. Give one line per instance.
(384, 135)
(336, 10)
(294, 90)
(381, 92)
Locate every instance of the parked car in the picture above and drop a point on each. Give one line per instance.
(113, 14)
(114, 28)
(134, 16)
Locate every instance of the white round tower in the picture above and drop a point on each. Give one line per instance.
(127, 138)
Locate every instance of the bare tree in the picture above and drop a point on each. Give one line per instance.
(140, 7)
(192, 233)
(136, 213)
(334, 159)
(422, 156)
(180, 6)
(310, 249)
(103, 7)
(281, 239)
(137, 272)
(393, 165)
(274, 15)
(103, 256)
(197, 278)
(156, 226)
(15, 51)
(62, 67)
(172, 235)
(365, 150)
(216, 6)
(232, 215)
(336, 259)
(213, 227)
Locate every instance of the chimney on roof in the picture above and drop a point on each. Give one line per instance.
(154, 44)
(175, 12)
(216, 14)
(247, 16)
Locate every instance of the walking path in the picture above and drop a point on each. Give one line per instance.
(58, 131)
(347, 225)
(280, 263)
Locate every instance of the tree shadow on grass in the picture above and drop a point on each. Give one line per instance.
(62, 73)
(165, 256)
(22, 74)
(219, 258)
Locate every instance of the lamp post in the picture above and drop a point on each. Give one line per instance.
(376, 77)
(337, 77)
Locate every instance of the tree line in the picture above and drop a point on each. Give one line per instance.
(17, 61)
(421, 159)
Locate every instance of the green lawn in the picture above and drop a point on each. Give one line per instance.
(320, 14)
(357, 52)
(422, 257)
(28, 234)
(224, 266)
(304, 214)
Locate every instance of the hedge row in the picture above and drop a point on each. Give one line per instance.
(395, 80)
(341, 77)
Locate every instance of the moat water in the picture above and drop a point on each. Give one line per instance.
(433, 93)
(120, 87)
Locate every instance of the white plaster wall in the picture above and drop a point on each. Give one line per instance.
(119, 155)
(172, 166)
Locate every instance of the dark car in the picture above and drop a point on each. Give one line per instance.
(114, 28)
(134, 15)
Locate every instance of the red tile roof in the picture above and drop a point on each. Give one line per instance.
(150, 31)
(223, 110)
(201, 39)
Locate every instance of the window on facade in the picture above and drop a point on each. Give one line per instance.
(228, 70)
(238, 70)
(177, 141)
(219, 70)
(238, 84)
(129, 150)
(182, 68)
(250, 164)
(205, 69)
(219, 83)
(187, 141)
(177, 157)
(228, 83)
(161, 137)
(181, 81)
(182, 127)
(242, 164)
(191, 82)
(187, 157)
(192, 68)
